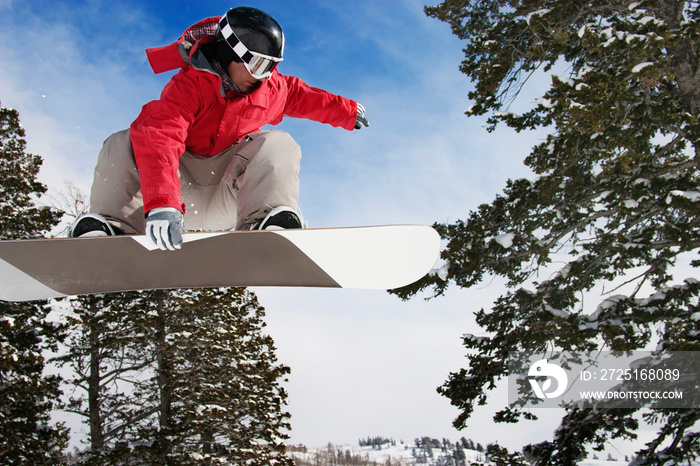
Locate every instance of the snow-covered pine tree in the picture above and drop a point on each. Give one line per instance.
(20, 217)
(107, 355)
(614, 208)
(26, 395)
(217, 383)
(500, 456)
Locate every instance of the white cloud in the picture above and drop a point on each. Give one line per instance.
(69, 99)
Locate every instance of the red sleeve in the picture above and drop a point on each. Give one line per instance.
(304, 101)
(158, 136)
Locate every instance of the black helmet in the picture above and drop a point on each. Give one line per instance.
(252, 36)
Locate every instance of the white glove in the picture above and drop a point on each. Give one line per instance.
(361, 121)
(164, 226)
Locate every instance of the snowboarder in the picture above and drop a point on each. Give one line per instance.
(196, 159)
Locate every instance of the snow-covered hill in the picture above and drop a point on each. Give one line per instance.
(399, 453)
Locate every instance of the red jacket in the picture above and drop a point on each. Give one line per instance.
(193, 115)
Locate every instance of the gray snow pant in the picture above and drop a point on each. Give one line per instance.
(230, 190)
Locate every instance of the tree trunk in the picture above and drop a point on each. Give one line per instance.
(94, 404)
(165, 386)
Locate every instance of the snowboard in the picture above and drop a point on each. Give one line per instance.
(381, 257)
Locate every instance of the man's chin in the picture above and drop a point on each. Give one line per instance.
(253, 87)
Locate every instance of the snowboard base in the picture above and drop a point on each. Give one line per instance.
(382, 257)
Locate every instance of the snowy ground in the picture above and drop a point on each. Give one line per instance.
(399, 454)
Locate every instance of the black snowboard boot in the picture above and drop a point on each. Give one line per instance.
(92, 225)
(281, 218)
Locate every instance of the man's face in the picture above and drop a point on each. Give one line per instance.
(242, 78)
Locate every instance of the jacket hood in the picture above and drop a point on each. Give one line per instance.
(177, 54)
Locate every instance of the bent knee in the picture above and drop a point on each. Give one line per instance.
(279, 144)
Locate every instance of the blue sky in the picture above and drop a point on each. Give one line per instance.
(363, 362)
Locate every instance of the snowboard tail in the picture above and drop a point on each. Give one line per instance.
(383, 257)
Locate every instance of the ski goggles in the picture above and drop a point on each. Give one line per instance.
(260, 66)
